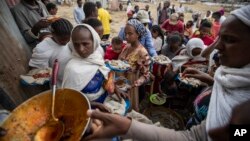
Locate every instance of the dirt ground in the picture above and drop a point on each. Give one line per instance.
(119, 17)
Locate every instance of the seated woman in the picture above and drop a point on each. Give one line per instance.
(138, 58)
(191, 56)
(86, 71)
(54, 47)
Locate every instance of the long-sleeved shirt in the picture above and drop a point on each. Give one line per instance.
(26, 17)
(169, 28)
(145, 40)
(79, 15)
(146, 132)
(45, 53)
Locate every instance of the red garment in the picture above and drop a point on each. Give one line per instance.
(172, 28)
(208, 40)
(215, 29)
(110, 54)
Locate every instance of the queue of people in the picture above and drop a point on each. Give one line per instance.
(215, 53)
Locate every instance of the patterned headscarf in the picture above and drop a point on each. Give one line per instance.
(139, 27)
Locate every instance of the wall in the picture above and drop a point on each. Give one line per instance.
(14, 56)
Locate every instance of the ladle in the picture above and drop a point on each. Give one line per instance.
(54, 128)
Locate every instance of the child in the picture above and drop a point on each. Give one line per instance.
(188, 31)
(96, 24)
(114, 50)
(54, 47)
(173, 46)
(216, 24)
(52, 8)
(158, 38)
(204, 33)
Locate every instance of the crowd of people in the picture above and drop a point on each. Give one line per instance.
(212, 49)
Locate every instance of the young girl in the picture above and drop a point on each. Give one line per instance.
(204, 33)
(137, 56)
(173, 46)
(188, 31)
(171, 49)
(158, 38)
(216, 24)
(54, 47)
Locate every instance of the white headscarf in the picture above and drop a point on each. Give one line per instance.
(243, 14)
(187, 55)
(192, 44)
(231, 86)
(79, 71)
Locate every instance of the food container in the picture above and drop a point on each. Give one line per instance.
(70, 107)
(118, 65)
(158, 99)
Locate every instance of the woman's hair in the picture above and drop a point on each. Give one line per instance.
(205, 23)
(190, 22)
(94, 22)
(157, 28)
(174, 38)
(50, 6)
(98, 4)
(116, 40)
(181, 14)
(61, 27)
(88, 8)
(216, 15)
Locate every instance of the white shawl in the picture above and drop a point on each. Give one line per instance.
(231, 87)
(187, 55)
(79, 71)
(45, 53)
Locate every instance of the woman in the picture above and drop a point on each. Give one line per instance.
(231, 88)
(86, 71)
(55, 47)
(190, 55)
(137, 56)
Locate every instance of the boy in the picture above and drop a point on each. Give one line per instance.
(114, 50)
(52, 8)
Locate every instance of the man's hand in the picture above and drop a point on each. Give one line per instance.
(121, 94)
(194, 73)
(106, 125)
(100, 106)
(43, 23)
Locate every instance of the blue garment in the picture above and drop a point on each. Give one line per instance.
(146, 41)
(79, 15)
(94, 85)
